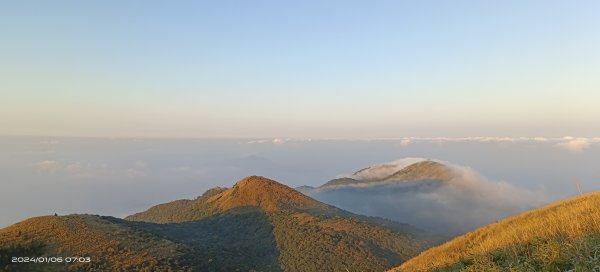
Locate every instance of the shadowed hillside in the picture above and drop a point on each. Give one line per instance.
(309, 235)
(263, 193)
(112, 246)
(257, 225)
(564, 236)
(239, 240)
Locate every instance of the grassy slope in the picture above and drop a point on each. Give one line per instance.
(111, 246)
(558, 237)
(309, 235)
(425, 170)
(238, 241)
(257, 225)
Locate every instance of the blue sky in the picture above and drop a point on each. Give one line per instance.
(341, 69)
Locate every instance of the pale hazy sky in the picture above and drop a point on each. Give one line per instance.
(300, 69)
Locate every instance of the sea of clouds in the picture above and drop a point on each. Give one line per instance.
(451, 207)
(44, 175)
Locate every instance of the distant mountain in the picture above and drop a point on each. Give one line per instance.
(394, 173)
(564, 236)
(433, 195)
(257, 225)
(424, 170)
(382, 171)
(304, 189)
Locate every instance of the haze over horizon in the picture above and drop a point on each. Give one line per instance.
(102, 99)
(118, 177)
(340, 69)
(299, 135)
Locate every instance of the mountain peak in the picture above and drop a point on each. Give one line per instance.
(424, 170)
(258, 182)
(265, 193)
(379, 172)
(254, 191)
(405, 170)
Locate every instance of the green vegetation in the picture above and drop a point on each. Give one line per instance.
(260, 225)
(564, 236)
(425, 170)
(419, 171)
(552, 254)
(240, 240)
(308, 235)
(110, 246)
(335, 243)
(7, 252)
(257, 225)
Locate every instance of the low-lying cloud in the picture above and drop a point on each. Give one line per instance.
(48, 166)
(576, 145)
(462, 204)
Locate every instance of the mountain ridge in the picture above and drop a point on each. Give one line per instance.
(302, 224)
(110, 246)
(257, 224)
(431, 194)
(422, 170)
(250, 191)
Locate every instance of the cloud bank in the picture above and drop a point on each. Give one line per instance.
(459, 205)
(576, 145)
(48, 166)
(569, 143)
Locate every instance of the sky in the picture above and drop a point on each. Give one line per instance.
(304, 69)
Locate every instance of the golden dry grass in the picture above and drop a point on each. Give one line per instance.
(107, 243)
(572, 218)
(264, 193)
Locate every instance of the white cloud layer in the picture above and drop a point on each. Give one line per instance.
(71, 169)
(48, 166)
(467, 201)
(576, 145)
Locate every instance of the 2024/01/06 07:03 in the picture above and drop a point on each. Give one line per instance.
(51, 259)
